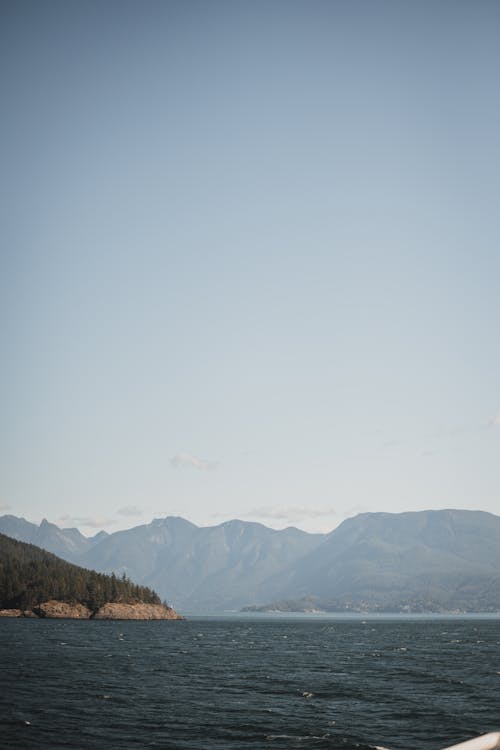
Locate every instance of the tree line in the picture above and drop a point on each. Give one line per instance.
(30, 576)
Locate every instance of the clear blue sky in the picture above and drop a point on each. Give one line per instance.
(250, 260)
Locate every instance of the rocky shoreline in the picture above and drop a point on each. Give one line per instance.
(110, 611)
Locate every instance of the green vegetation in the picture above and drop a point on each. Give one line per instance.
(30, 576)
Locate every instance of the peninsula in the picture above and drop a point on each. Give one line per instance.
(36, 583)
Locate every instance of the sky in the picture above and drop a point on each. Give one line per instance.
(249, 260)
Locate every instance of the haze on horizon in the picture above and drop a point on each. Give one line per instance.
(250, 260)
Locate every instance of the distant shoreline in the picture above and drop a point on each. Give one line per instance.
(358, 616)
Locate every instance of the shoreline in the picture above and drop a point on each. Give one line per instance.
(54, 609)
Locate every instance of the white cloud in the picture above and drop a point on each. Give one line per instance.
(186, 459)
(495, 422)
(392, 443)
(130, 511)
(95, 522)
(290, 513)
(355, 510)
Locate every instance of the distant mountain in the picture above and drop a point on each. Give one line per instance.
(427, 561)
(207, 568)
(69, 544)
(430, 560)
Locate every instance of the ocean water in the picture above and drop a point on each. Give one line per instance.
(233, 684)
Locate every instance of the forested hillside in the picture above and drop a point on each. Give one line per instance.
(30, 575)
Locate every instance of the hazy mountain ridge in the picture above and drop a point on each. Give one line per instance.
(428, 560)
(215, 567)
(68, 543)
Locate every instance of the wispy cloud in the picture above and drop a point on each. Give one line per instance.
(130, 511)
(290, 513)
(186, 459)
(451, 431)
(92, 522)
(3, 508)
(495, 421)
(355, 510)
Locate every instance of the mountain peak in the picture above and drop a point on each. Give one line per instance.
(177, 521)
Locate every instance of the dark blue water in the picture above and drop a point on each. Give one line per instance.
(237, 684)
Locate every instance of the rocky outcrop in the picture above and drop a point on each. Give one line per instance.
(55, 609)
(17, 613)
(110, 611)
(118, 611)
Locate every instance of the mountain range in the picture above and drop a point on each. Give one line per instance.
(445, 560)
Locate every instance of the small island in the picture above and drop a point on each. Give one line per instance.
(37, 584)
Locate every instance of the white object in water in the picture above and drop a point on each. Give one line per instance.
(489, 741)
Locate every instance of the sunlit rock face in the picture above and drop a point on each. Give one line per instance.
(67, 610)
(111, 611)
(117, 611)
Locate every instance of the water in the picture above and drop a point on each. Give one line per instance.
(233, 684)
